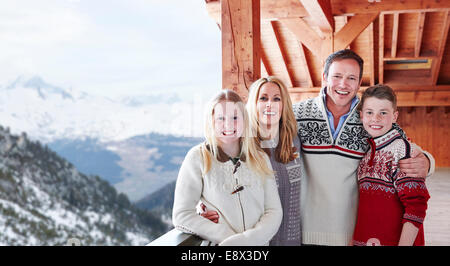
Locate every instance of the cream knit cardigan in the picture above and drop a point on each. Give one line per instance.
(249, 217)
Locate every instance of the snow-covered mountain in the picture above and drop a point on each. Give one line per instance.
(137, 166)
(48, 112)
(45, 200)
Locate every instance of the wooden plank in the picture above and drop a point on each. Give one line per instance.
(420, 23)
(265, 71)
(270, 9)
(288, 75)
(381, 49)
(241, 59)
(395, 87)
(305, 65)
(340, 7)
(443, 41)
(327, 47)
(394, 36)
(320, 12)
(304, 34)
(352, 29)
(423, 98)
(436, 225)
(372, 55)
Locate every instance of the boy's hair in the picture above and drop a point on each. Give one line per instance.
(380, 91)
(343, 54)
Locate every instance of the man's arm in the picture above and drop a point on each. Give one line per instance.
(421, 163)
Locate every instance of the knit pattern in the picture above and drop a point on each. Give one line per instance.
(315, 134)
(387, 196)
(288, 178)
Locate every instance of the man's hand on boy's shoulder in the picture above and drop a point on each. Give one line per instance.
(416, 166)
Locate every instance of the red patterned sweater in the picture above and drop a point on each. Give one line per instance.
(387, 197)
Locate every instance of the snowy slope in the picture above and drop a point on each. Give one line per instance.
(44, 200)
(47, 112)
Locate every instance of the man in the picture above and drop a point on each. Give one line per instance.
(333, 143)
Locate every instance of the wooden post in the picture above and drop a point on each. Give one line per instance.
(241, 45)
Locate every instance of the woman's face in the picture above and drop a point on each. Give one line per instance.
(269, 105)
(228, 122)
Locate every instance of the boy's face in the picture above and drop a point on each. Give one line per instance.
(377, 116)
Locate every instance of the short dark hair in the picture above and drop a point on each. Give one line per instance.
(380, 91)
(343, 54)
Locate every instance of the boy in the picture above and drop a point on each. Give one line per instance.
(391, 205)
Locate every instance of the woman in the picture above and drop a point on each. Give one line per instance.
(231, 176)
(273, 123)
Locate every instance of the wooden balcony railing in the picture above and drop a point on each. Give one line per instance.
(177, 238)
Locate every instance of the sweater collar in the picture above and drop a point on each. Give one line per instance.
(223, 157)
(385, 139)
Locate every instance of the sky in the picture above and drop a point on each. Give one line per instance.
(112, 48)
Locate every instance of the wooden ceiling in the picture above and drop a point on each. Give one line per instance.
(404, 44)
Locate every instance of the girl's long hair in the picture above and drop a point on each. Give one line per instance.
(249, 149)
(284, 152)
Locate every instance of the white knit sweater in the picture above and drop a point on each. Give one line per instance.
(249, 217)
(329, 194)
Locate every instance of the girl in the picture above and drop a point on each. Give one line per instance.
(392, 205)
(273, 123)
(230, 176)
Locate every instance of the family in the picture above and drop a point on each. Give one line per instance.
(333, 170)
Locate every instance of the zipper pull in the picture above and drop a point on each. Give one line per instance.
(239, 188)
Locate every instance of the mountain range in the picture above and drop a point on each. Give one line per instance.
(45, 200)
(131, 147)
(48, 112)
(136, 143)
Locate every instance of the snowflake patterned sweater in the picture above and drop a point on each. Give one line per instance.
(329, 191)
(387, 197)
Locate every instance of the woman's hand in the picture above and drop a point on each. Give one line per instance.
(210, 215)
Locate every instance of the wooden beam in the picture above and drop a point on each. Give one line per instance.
(241, 58)
(305, 65)
(423, 98)
(327, 47)
(320, 12)
(371, 55)
(443, 38)
(352, 29)
(304, 34)
(395, 87)
(394, 36)
(288, 76)
(265, 63)
(358, 6)
(414, 97)
(381, 49)
(270, 9)
(420, 24)
(277, 9)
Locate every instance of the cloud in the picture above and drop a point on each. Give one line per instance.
(108, 47)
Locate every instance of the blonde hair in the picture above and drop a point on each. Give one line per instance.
(249, 149)
(284, 152)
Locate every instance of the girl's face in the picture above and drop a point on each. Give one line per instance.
(269, 104)
(228, 122)
(377, 116)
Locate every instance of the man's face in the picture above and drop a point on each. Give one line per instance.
(342, 82)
